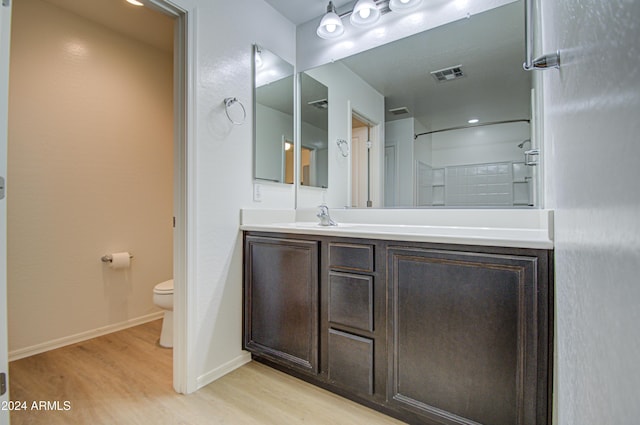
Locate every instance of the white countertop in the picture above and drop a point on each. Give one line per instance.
(523, 228)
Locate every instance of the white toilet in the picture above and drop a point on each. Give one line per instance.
(163, 298)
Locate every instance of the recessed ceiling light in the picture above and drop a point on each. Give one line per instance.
(473, 120)
(135, 2)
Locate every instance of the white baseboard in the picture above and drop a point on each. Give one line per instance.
(82, 336)
(219, 372)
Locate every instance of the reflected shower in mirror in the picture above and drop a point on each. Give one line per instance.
(457, 110)
(314, 129)
(273, 117)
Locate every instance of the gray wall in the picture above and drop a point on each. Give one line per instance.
(592, 129)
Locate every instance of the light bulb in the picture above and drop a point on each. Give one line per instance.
(404, 5)
(365, 14)
(330, 27)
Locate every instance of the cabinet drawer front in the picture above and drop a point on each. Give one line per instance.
(351, 361)
(356, 257)
(351, 300)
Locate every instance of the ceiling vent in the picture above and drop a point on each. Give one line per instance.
(319, 104)
(399, 111)
(448, 74)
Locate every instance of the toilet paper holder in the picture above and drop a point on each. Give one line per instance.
(108, 258)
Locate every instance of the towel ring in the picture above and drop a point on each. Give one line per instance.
(343, 146)
(229, 102)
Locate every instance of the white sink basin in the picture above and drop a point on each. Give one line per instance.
(312, 225)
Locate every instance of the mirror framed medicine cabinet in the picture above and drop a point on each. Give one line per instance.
(432, 85)
(274, 117)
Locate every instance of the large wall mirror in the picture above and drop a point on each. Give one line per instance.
(457, 116)
(274, 149)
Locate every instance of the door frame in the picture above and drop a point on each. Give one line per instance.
(5, 34)
(376, 159)
(184, 318)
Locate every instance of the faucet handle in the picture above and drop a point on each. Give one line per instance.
(323, 215)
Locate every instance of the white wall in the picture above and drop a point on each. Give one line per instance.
(347, 92)
(273, 126)
(91, 172)
(221, 174)
(592, 105)
(479, 145)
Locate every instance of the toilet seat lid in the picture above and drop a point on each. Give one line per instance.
(165, 287)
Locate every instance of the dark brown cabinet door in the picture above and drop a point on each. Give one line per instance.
(281, 301)
(465, 337)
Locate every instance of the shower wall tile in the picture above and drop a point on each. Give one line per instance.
(479, 185)
(520, 171)
(438, 195)
(438, 176)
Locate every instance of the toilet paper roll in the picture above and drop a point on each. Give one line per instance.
(120, 260)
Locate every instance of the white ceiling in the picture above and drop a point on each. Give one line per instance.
(140, 23)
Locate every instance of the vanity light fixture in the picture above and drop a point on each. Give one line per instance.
(331, 24)
(135, 2)
(403, 5)
(365, 13)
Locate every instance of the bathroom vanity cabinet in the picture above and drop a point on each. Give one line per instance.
(428, 333)
(281, 301)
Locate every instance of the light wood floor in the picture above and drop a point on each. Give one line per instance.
(125, 378)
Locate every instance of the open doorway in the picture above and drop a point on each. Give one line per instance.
(308, 166)
(100, 301)
(365, 169)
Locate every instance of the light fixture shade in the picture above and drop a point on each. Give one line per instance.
(403, 5)
(331, 25)
(365, 13)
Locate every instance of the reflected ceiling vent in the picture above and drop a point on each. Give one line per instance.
(448, 74)
(319, 104)
(399, 111)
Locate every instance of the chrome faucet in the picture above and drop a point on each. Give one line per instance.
(325, 218)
